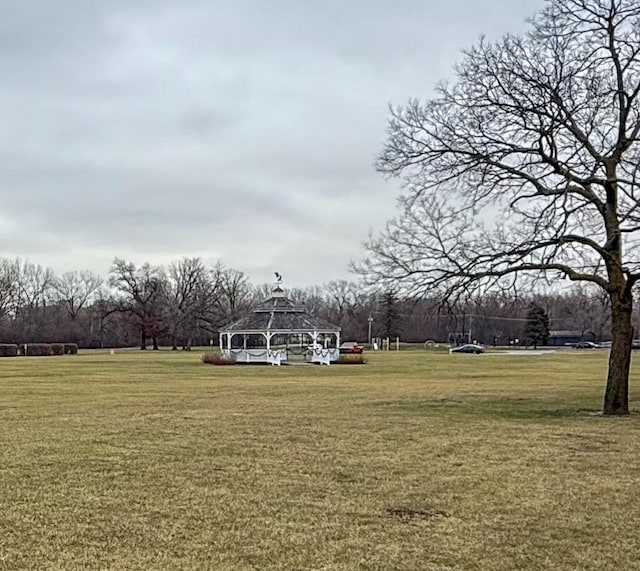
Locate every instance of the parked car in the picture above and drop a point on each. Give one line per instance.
(351, 347)
(474, 349)
(585, 345)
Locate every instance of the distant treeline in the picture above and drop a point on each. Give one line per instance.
(185, 303)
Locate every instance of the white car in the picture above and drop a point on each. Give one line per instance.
(473, 349)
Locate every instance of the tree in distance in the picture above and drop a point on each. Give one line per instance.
(526, 169)
(536, 328)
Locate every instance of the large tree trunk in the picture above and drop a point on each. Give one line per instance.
(616, 397)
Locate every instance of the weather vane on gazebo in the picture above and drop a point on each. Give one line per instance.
(278, 278)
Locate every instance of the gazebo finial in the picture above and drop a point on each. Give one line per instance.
(278, 278)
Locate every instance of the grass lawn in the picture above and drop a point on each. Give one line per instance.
(415, 461)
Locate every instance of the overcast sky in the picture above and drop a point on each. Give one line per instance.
(241, 130)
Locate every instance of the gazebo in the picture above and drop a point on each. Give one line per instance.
(278, 330)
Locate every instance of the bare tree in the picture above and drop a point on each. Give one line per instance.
(586, 309)
(8, 287)
(527, 165)
(143, 295)
(261, 292)
(341, 295)
(313, 298)
(194, 293)
(235, 291)
(73, 290)
(33, 284)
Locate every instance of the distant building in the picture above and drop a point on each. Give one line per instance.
(568, 337)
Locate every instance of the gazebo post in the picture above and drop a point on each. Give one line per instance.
(220, 342)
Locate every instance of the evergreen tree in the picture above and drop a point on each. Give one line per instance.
(390, 315)
(536, 329)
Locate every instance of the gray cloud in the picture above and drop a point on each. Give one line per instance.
(236, 130)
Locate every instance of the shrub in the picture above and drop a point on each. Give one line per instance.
(218, 359)
(57, 348)
(70, 349)
(38, 349)
(352, 359)
(8, 350)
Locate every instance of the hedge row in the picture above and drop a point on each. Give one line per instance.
(214, 358)
(352, 359)
(7, 350)
(37, 349)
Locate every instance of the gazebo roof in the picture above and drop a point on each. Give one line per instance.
(279, 314)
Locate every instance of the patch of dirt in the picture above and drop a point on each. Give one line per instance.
(407, 514)
(578, 442)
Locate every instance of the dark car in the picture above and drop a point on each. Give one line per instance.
(474, 349)
(351, 347)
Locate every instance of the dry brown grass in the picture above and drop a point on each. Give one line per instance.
(415, 461)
